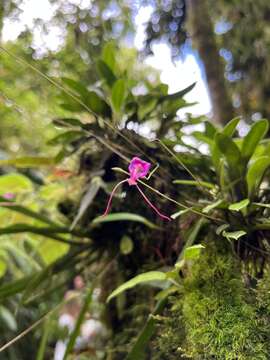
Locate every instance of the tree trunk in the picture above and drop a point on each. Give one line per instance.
(203, 36)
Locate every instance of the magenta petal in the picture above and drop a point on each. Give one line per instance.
(138, 168)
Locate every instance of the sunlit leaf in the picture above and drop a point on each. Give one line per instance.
(118, 94)
(124, 217)
(15, 183)
(256, 172)
(239, 205)
(139, 279)
(234, 235)
(252, 139)
(193, 252)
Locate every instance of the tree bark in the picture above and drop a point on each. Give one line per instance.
(203, 36)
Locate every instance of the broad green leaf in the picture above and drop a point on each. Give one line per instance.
(109, 55)
(193, 252)
(146, 106)
(252, 139)
(230, 150)
(66, 137)
(14, 287)
(235, 235)
(210, 129)
(195, 183)
(8, 318)
(106, 72)
(76, 86)
(191, 237)
(139, 279)
(256, 172)
(50, 250)
(126, 245)
(28, 161)
(118, 94)
(15, 183)
(124, 217)
(239, 205)
(230, 128)
(97, 104)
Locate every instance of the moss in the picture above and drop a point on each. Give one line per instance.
(215, 316)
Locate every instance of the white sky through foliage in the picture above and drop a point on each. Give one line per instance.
(177, 75)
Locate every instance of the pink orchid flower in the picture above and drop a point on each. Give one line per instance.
(138, 169)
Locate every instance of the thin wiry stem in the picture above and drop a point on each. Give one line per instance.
(151, 205)
(111, 196)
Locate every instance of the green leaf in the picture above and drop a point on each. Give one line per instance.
(66, 137)
(194, 183)
(222, 227)
(76, 86)
(239, 205)
(44, 339)
(193, 252)
(76, 332)
(9, 205)
(106, 72)
(50, 250)
(230, 150)
(8, 318)
(124, 217)
(118, 94)
(212, 206)
(3, 267)
(256, 172)
(97, 104)
(252, 139)
(146, 106)
(15, 183)
(139, 279)
(109, 54)
(14, 287)
(230, 128)
(178, 94)
(137, 349)
(66, 122)
(126, 245)
(235, 235)
(28, 161)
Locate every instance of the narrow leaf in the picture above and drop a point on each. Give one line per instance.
(239, 205)
(124, 217)
(118, 94)
(139, 279)
(252, 139)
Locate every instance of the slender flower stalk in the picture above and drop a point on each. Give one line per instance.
(138, 169)
(151, 205)
(111, 196)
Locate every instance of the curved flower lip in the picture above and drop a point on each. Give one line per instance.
(138, 168)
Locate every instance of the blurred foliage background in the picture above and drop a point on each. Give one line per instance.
(72, 118)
